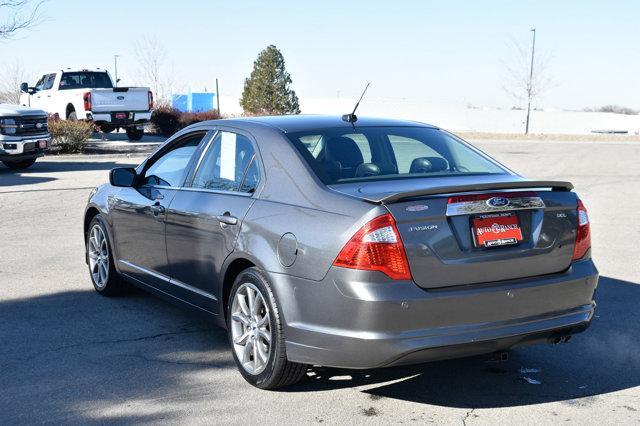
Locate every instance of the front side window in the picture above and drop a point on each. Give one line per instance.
(48, 82)
(171, 168)
(228, 165)
(380, 153)
(85, 80)
(40, 83)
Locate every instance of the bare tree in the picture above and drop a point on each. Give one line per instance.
(11, 75)
(526, 77)
(18, 15)
(153, 67)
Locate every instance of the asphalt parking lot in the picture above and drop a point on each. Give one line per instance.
(68, 355)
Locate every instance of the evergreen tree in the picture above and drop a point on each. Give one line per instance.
(267, 90)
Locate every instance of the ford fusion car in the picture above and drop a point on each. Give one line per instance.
(355, 243)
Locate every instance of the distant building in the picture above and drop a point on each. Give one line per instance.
(194, 102)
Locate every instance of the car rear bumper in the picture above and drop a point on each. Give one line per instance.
(133, 117)
(348, 320)
(22, 148)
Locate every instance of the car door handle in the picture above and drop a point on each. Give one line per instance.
(158, 209)
(227, 219)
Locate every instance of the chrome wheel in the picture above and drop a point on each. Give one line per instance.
(98, 256)
(251, 328)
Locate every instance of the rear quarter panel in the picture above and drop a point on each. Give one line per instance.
(292, 201)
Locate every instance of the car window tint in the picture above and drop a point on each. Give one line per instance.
(85, 80)
(363, 144)
(408, 149)
(379, 153)
(170, 169)
(229, 158)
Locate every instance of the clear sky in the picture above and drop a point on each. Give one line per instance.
(433, 51)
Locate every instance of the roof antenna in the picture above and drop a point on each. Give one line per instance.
(352, 118)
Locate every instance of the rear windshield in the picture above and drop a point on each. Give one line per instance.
(85, 80)
(380, 153)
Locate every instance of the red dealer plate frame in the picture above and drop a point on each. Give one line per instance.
(496, 230)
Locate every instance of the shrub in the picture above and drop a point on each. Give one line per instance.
(69, 136)
(167, 120)
(189, 118)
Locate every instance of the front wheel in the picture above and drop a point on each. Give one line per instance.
(256, 336)
(103, 273)
(19, 165)
(134, 134)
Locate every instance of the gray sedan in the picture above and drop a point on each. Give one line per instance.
(318, 240)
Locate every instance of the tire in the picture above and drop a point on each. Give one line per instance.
(244, 325)
(106, 127)
(134, 134)
(19, 165)
(72, 116)
(107, 281)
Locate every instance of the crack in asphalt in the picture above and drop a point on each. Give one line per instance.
(100, 342)
(466, 416)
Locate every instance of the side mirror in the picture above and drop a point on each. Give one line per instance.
(123, 177)
(24, 88)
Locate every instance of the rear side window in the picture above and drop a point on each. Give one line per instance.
(85, 80)
(378, 153)
(228, 165)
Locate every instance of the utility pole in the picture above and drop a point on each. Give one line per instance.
(115, 66)
(218, 99)
(529, 86)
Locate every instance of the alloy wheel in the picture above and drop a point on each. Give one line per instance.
(251, 328)
(98, 256)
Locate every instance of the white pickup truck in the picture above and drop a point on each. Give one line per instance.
(90, 95)
(24, 135)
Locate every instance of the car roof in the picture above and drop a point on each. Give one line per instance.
(302, 122)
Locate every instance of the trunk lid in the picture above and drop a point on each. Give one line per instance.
(435, 219)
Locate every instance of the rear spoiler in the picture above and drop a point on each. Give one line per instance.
(439, 190)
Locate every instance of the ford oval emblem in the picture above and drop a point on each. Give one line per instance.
(498, 202)
(120, 98)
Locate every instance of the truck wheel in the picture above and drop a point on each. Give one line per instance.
(106, 127)
(19, 165)
(134, 134)
(72, 116)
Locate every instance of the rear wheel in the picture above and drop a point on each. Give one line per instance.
(72, 116)
(106, 127)
(19, 165)
(134, 134)
(256, 336)
(103, 273)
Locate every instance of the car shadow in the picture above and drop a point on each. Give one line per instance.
(603, 359)
(67, 351)
(78, 355)
(32, 176)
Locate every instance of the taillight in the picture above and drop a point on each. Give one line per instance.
(376, 247)
(150, 98)
(87, 101)
(583, 235)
